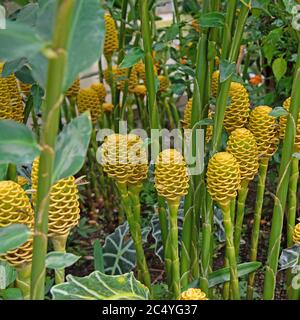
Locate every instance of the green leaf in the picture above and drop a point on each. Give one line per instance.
(37, 94)
(13, 236)
(132, 57)
(11, 294)
(60, 260)
(19, 40)
(212, 20)
(17, 143)
(98, 256)
(278, 112)
(119, 252)
(227, 69)
(289, 257)
(279, 68)
(7, 275)
(223, 275)
(296, 155)
(171, 33)
(98, 286)
(28, 14)
(13, 66)
(289, 5)
(86, 38)
(25, 75)
(71, 147)
(3, 171)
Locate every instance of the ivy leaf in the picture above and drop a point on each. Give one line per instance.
(278, 112)
(227, 69)
(132, 57)
(279, 67)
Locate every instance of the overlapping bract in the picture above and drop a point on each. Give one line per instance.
(73, 91)
(25, 88)
(124, 158)
(163, 83)
(242, 145)
(296, 235)
(193, 294)
(223, 177)
(111, 36)
(187, 115)
(171, 175)
(15, 207)
(88, 100)
(100, 89)
(265, 130)
(283, 122)
(64, 211)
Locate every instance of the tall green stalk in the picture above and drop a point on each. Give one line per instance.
(59, 245)
(282, 187)
(262, 175)
(12, 172)
(51, 107)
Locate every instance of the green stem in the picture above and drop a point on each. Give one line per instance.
(282, 187)
(51, 112)
(12, 172)
(228, 226)
(173, 238)
(23, 280)
(240, 216)
(262, 174)
(59, 244)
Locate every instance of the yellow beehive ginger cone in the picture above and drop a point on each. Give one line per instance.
(64, 211)
(296, 235)
(107, 107)
(88, 100)
(193, 294)
(73, 91)
(140, 90)
(215, 83)
(209, 129)
(5, 106)
(15, 207)
(242, 145)
(265, 130)
(163, 83)
(124, 158)
(187, 114)
(119, 76)
(140, 70)
(101, 91)
(111, 36)
(22, 181)
(171, 175)
(223, 177)
(283, 122)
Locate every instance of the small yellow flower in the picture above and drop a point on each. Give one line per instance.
(193, 294)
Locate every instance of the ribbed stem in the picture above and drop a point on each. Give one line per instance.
(12, 172)
(23, 280)
(136, 233)
(59, 244)
(240, 216)
(262, 174)
(51, 110)
(230, 251)
(282, 187)
(173, 208)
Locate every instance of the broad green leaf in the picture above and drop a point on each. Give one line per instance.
(279, 67)
(119, 252)
(45, 20)
(71, 147)
(13, 236)
(19, 40)
(212, 20)
(11, 294)
(3, 171)
(227, 69)
(223, 275)
(37, 94)
(98, 256)
(205, 122)
(289, 257)
(13, 66)
(25, 75)
(28, 14)
(132, 57)
(278, 112)
(7, 275)
(60, 260)
(171, 33)
(17, 143)
(98, 286)
(86, 38)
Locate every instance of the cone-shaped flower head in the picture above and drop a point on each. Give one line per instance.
(118, 76)
(171, 175)
(100, 89)
(107, 107)
(140, 90)
(22, 181)
(5, 106)
(242, 145)
(15, 207)
(193, 294)
(223, 177)
(163, 83)
(111, 36)
(265, 130)
(283, 122)
(215, 83)
(187, 114)
(296, 235)
(124, 158)
(73, 91)
(209, 129)
(88, 99)
(64, 203)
